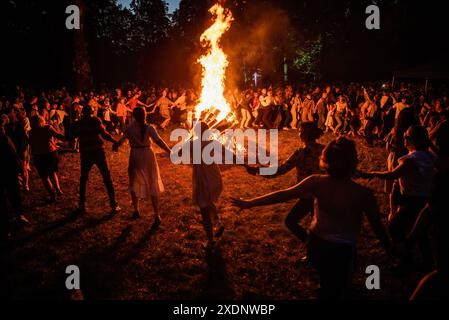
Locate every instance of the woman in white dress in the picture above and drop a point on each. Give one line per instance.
(144, 177)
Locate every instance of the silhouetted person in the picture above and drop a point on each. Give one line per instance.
(9, 183)
(45, 154)
(91, 134)
(337, 222)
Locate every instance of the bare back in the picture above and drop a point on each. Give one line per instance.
(339, 208)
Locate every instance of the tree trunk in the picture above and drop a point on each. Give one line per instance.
(81, 65)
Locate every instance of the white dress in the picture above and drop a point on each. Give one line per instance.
(207, 183)
(144, 176)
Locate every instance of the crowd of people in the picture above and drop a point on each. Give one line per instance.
(412, 125)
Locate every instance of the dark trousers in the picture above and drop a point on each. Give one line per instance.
(322, 120)
(266, 118)
(334, 263)
(286, 117)
(369, 128)
(121, 122)
(405, 217)
(88, 160)
(9, 192)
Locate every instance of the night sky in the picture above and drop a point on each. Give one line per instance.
(172, 4)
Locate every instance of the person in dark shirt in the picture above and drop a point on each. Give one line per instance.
(306, 160)
(91, 135)
(9, 183)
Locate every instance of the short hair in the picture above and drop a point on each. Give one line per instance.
(339, 159)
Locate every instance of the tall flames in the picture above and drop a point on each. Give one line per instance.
(214, 64)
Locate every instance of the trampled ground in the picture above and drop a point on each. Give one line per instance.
(120, 259)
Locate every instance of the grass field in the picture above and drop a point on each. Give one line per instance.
(120, 259)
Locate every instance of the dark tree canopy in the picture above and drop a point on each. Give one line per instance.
(324, 39)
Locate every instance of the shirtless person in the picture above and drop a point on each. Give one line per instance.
(340, 206)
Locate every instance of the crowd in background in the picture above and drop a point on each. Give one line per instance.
(409, 122)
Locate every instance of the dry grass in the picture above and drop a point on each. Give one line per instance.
(120, 259)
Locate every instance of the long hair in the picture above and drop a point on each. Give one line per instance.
(139, 115)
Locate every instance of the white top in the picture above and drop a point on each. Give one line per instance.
(419, 183)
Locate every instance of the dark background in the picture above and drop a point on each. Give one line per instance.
(319, 39)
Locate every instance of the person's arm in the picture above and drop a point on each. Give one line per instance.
(56, 134)
(140, 103)
(303, 189)
(288, 165)
(402, 169)
(104, 133)
(373, 215)
(156, 105)
(367, 97)
(159, 141)
(119, 142)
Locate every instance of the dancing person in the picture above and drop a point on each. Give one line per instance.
(144, 178)
(45, 154)
(415, 174)
(337, 222)
(306, 160)
(266, 108)
(9, 184)
(255, 106)
(371, 118)
(164, 104)
(245, 109)
(295, 110)
(207, 183)
(121, 111)
(308, 106)
(21, 141)
(180, 109)
(91, 135)
(330, 119)
(434, 220)
(321, 110)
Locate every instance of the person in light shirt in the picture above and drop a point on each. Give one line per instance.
(164, 104)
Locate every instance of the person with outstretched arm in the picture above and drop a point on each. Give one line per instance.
(340, 206)
(92, 134)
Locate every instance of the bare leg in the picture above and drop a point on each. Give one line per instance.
(165, 123)
(49, 186)
(26, 176)
(157, 218)
(55, 180)
(135, 201)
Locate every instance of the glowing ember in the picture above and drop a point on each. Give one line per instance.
(214, 65)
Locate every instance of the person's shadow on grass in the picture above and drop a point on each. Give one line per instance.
(217, 284)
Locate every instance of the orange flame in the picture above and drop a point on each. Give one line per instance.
(214, 65)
